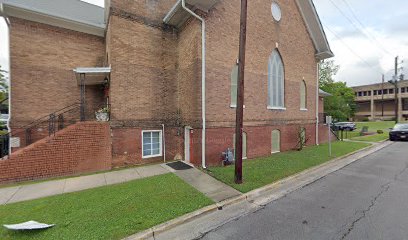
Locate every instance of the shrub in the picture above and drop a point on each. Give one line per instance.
(380, 131)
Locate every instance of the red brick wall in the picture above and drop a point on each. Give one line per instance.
(321, 105)
(324, 134)
(259, 141)
(150, 12)
(127, 146)
(189, 74)
(80, 148)
(37, 134)
(143, 84)
(291, 38)
(156, 72)
(42, 59)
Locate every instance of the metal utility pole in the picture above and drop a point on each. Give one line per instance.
(396, 89)
(329, 121)
(240, 93)
(382, 97)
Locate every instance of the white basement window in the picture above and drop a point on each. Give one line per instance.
(276, 141)
(152, 143)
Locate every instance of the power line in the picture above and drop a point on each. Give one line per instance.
(364, 27)
(351, 50)
(356, 27)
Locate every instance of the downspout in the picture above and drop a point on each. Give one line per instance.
(9, 71)
(317, 103)
(164, 145)
(203, 68)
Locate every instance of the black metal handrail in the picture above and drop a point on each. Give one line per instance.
(4, 145)
(46, 119)
(335, 133)
(53, 122)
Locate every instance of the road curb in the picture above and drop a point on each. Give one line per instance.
(330, 166)
(258, 195)
(149, 233)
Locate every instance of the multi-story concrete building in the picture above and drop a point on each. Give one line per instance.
(144, 58)
(377, 101)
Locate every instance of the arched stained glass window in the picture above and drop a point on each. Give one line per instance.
(303, 95)
(234, 80)
(276, 82)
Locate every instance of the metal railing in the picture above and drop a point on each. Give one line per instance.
(4, 145)
(322, 118)
(46, 126)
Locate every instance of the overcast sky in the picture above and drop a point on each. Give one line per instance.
(364, 35)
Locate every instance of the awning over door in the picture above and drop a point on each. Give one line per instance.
(93, 75)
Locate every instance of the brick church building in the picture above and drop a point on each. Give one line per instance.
(142, 61)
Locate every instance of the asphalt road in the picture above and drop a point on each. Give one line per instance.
(365, 200)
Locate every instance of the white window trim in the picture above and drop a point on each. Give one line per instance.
(161, 144)
(275, 152)
(304, 109)
(276, 108)
(234, 106)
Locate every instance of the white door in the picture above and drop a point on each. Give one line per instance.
(187, 132)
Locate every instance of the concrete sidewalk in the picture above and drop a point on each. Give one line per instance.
(55, 187)
(209, 186)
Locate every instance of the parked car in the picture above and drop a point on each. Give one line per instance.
(399, 132)
(346, 126)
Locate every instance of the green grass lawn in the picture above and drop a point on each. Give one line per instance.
(372, 127)
(111, 212)
(350, 135)
(264, 171)
(372, 138)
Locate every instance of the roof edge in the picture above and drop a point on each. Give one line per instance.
(324, 94)
(177, 16)
(378, 83)
(53, 20)
(323, 50)
(80, 70)
(172, 11)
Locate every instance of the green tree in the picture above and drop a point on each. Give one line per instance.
(327, 70)
(341, 104)
(3, 84)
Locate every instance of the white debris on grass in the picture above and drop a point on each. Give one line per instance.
(30, 225)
